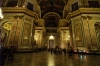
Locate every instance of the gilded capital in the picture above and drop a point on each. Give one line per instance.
(87, 17)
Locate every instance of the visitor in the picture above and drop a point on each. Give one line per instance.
(64, 50)
(10, 54)
(4, 54)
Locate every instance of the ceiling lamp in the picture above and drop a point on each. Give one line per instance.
(51, 37)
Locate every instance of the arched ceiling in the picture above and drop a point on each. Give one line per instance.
(51, 12)
(52, 6)
(51, 19)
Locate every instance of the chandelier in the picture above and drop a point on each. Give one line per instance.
(51, 37)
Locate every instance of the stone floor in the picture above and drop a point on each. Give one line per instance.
(45, 58)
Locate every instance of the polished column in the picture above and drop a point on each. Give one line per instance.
(14, 37)
(1, 17)
(63, 37)
(39, 38)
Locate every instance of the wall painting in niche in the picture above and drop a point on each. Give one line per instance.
(12, 3)
(26, 34)
(97, 30)
(75, 6)
(78, 35)
(30, 6)
(92, 3)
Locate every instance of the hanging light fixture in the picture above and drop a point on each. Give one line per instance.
(51, 37)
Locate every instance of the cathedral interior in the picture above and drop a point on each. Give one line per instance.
(30, 24)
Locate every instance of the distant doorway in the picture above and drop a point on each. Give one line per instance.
(51, 42)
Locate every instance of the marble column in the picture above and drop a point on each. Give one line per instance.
(39, 38)
(15, 33)
(64, 37)
(90, 34)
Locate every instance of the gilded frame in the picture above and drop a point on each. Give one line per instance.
(78, 35)
(26, 34)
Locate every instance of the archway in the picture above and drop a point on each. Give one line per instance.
(5, 30)
(51, 42)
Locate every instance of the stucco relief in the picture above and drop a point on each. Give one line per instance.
(18, 33)
(12, 32)
(77, 30)
(28, 19)
(89, 31)
(96, 18)
(77, 20)
(62, 22)
(87, 35)
(26, 34)
(78, 35)
(97, 30)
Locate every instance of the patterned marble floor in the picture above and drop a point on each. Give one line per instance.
(46, 59)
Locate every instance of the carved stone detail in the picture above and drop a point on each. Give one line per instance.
(87, 17)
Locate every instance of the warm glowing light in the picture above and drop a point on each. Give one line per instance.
(35, 37)
(68, 36)
(51, 37)
(1, 16)
(25, 37)
(7, 26)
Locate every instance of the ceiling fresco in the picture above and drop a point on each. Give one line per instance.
(51, 12)
(51, 6)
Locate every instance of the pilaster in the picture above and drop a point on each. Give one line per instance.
(64, 37)
(39, 36)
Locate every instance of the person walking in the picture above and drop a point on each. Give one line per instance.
(4, 55)
(51, 51)
(10, 54)
(64, 50)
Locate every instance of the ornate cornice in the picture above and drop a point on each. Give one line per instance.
(40, 28)
(62, 28)
(20, 10)
(82, 11)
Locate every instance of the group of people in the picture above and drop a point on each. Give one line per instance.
(7, 54)
(57, 50)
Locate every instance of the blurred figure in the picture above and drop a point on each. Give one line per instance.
(51, 51)
(4, 54)
(78, 52)
(1, 56)
(70, 51)
(64, 50)
(10, 54)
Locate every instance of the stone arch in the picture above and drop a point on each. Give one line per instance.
(51, 17)
(50, 13)
(5, 30)
(65, 11)
(6, 25)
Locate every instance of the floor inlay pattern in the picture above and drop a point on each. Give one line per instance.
(46, 59)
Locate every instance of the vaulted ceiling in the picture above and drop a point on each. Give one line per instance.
(51, 6)
(51, 12)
